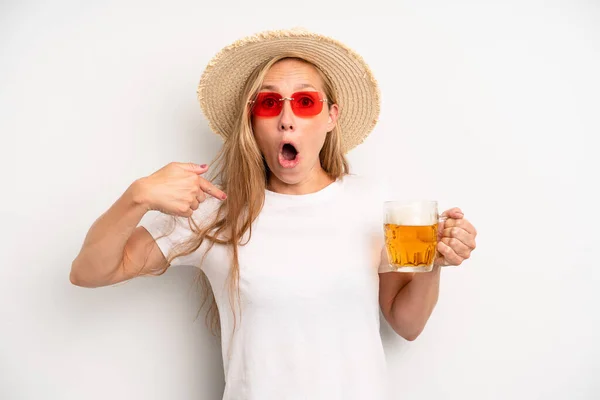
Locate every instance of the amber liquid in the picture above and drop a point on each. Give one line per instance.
(411, 246)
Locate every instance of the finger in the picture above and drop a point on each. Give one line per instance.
(449, 255)
(195, 168)
(460, 234)
(195, 204)
(461, 223)
(212, 190)
(440, 261)
(200, 196)
(453, 213)
(459, 247)
(187, 213)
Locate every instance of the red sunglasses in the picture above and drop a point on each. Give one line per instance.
(304, 104)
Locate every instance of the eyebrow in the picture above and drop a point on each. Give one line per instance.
(297, 87)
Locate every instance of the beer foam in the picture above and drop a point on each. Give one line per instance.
(411, 216)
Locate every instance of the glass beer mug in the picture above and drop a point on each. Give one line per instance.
(411, 234)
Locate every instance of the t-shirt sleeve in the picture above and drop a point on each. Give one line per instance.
(170, 233)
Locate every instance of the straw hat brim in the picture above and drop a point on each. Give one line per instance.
(356, 88)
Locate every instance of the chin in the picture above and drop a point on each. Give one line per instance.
(288, 176)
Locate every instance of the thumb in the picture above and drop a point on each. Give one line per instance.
(195, 168)
(455, 213)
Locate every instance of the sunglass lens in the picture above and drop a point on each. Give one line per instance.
(267, 105)
(307, 104)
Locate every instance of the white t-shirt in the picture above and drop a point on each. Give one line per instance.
(309, 284)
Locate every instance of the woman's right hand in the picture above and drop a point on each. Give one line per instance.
(176, 189)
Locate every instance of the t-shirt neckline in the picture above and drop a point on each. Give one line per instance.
(309, 198)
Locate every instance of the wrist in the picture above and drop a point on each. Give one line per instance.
(137, 195)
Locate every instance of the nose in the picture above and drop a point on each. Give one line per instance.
(286, 118)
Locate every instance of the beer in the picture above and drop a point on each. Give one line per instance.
(411, 246)
(411, 230)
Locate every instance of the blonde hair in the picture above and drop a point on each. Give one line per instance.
(242, 173)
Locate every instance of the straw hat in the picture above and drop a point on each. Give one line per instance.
(357, 90)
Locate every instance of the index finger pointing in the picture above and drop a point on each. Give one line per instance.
(212, 190)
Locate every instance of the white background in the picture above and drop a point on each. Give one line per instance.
(490, 106)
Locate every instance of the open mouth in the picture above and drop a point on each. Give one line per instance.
(289, 152)
(288, 156)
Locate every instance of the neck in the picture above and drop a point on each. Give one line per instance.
(316, 180)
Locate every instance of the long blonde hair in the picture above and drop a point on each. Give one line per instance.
(240, 170)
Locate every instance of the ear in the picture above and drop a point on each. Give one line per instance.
(333, 117)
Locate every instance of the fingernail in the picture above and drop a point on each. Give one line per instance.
(203, 166)
(224, 196)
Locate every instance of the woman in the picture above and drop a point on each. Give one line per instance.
(290, 243)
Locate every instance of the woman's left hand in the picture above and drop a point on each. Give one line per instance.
(456, 238)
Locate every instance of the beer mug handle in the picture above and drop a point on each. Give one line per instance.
(441, 218)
